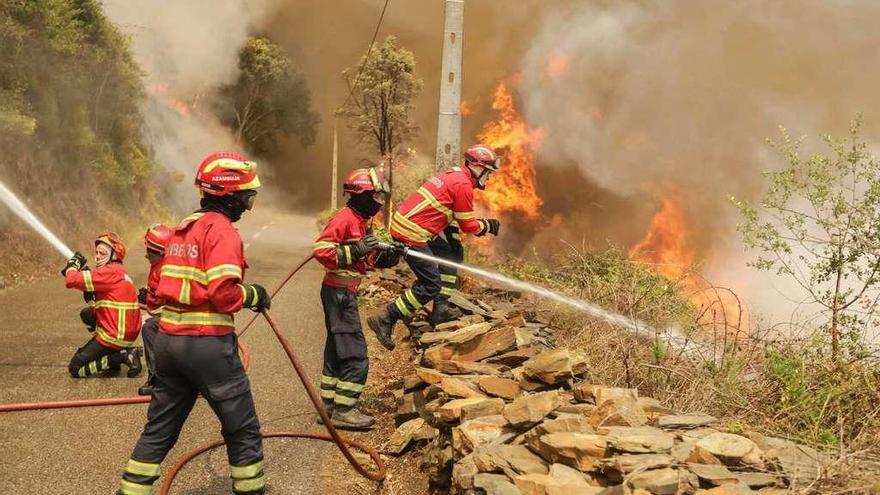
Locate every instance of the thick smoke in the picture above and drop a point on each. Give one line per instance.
(187, 49)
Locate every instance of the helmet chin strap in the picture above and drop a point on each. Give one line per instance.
(480, 178)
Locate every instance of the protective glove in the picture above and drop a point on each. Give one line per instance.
(256, 297)
(77, 262)
(490, 226)
(363, 247)
(387, 257)
(455, 245)
(89, 297)
(142, 295)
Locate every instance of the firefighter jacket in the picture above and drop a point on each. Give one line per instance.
(116, 308)
(154, 302)
(200, 275)
(442, 200)
(332, 249)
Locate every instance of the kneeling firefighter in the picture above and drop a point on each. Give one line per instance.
(112, 316)
(429, 222)
(195, 350)
(347, 249)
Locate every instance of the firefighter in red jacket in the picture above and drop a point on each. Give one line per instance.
(347, 249)
(154, 243)
(112, 315)
(429, 222)
(201, 286)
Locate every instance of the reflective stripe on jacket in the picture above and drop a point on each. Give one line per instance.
(116, 308)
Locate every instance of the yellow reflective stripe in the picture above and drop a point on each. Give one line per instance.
(131, 488)
(185, 273)
(328, 380)
(448, 278)
(87, 280)
(405, 224)
(81, 372)
(106, 337)
(197, 318)
(120, 325)
(220, 271)
(417, 208)
(328, 394)
(346, 273)
(93, 367)
(249, 485)
(249, 471)
(324, 245)
(185, 290)
(250, 185)
(142, 468)
(115, 304)
(464, 215)
(347, 251)
(412, 299)
(445, 291)
(105, 362)
(436, 204)
(349, 386)
(345, 401)
(231, 164)
(401, 306)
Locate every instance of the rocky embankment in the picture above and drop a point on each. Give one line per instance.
(498, 409)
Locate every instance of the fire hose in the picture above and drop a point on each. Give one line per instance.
(342, 443)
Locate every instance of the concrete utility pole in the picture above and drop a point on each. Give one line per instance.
(333, 192)
(449, 119)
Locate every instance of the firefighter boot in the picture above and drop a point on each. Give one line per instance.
(352, 419)
(440, 313)
(383, 324)
(133, 360)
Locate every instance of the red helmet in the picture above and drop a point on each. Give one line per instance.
(365, 180)
(156, 238)
(481, 155)
(223, 173)
(113, 240)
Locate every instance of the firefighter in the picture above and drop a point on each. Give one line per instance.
(347, 249)
(445, 200)
(200, 283)
(154, 244)
(112, 316)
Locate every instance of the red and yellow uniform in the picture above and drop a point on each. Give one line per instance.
(117, 316)
(445, 198)
(154, 303)
(332, 250)
(200, 274)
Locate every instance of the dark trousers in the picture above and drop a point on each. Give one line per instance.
(94, 358)
(185, 367)
(448, 274)
(345, 351)
(433, 281)
(149, 330)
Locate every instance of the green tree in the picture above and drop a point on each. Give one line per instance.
(270, 99)
(819, 224)
(383, 86)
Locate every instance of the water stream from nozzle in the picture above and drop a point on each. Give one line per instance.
(581, 305)
(25, 214)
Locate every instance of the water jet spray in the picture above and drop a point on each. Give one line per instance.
(19, 208)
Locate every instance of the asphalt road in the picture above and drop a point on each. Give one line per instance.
(83, 451)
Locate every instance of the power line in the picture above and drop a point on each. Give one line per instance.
(369, 50)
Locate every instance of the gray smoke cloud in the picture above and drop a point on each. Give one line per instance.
(187, 49)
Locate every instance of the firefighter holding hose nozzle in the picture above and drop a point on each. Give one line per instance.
(429, 222)
(113, 316)
(347, 249)
(195, 350)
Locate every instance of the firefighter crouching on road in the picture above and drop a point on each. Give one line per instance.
(347, 249)
(112, 315)
(442, 202)
(195, 349)
(154, 243)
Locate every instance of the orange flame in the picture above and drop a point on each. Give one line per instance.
(512, 189)
(665, 244)
(666, 248)
(558, 63)
(162, 91)
(466, 108)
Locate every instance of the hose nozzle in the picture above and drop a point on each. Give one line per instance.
(394, 247)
